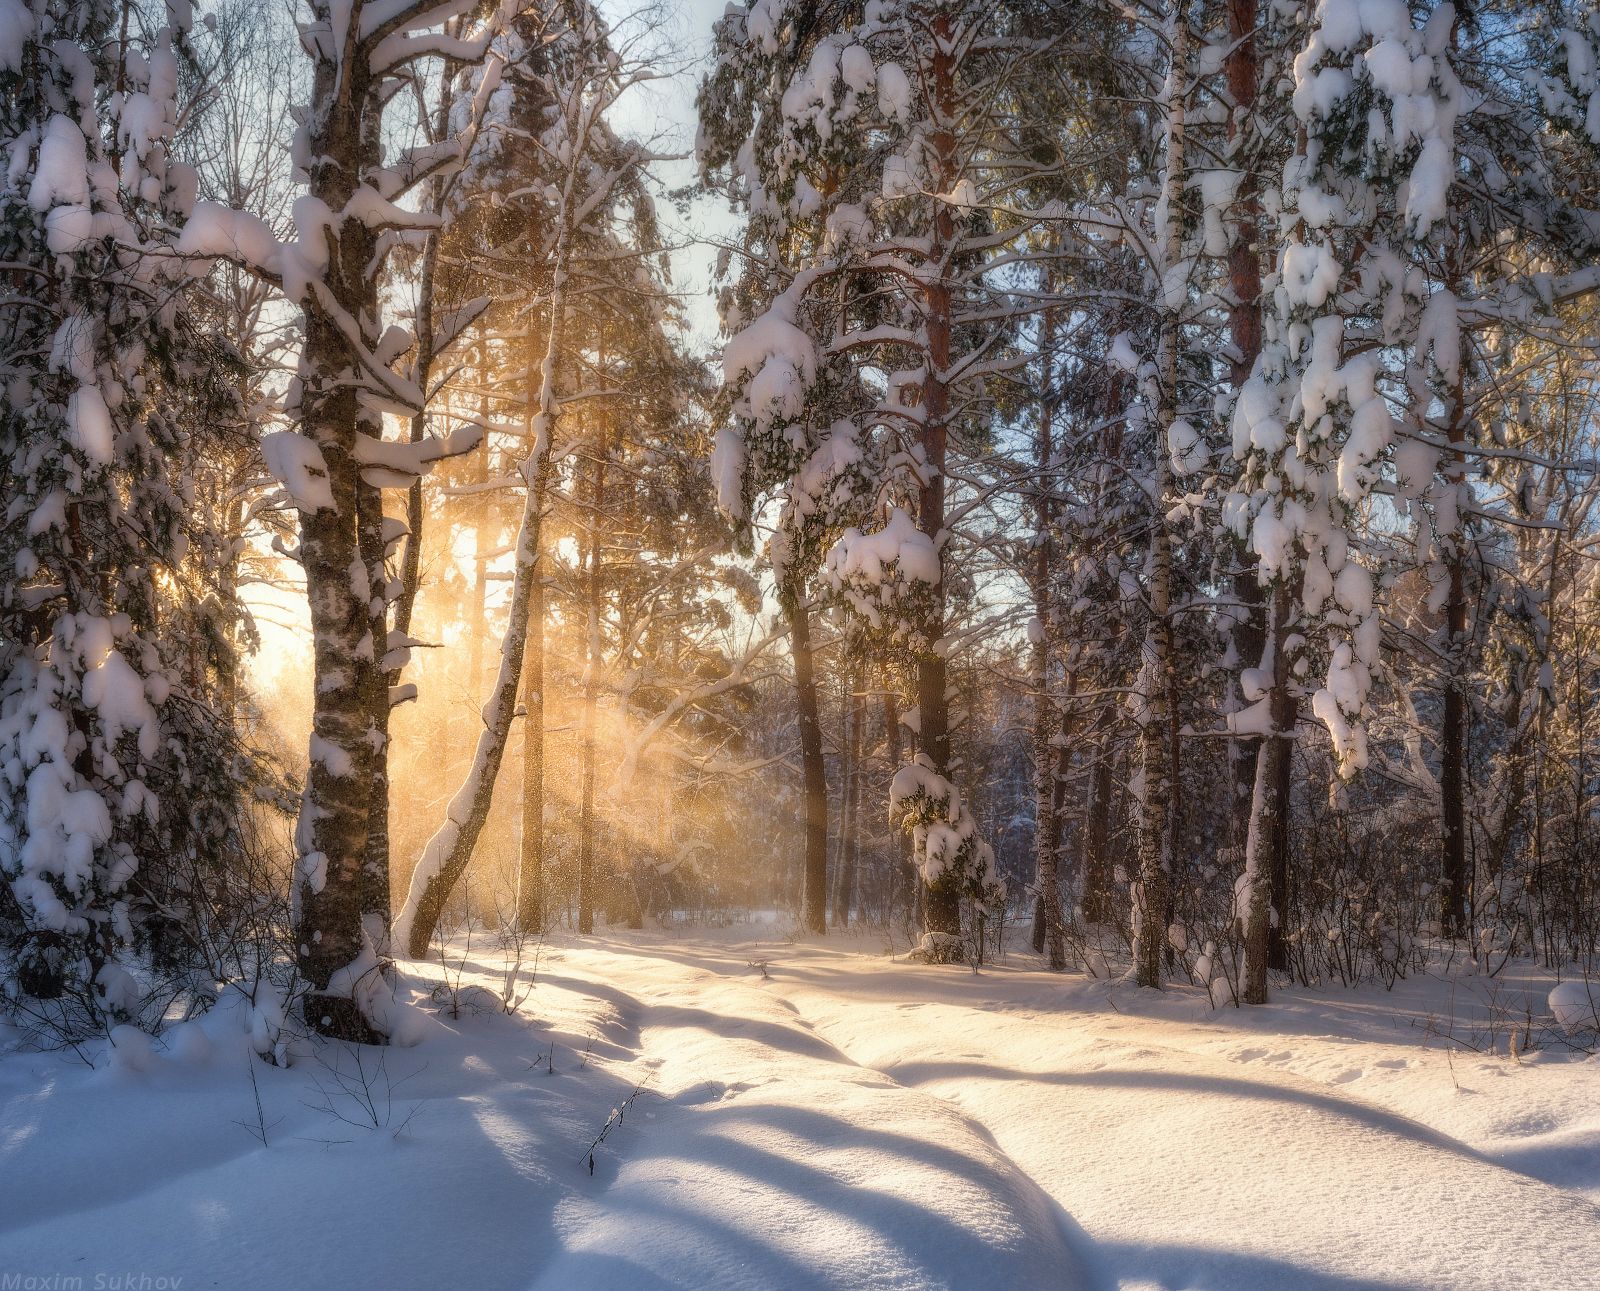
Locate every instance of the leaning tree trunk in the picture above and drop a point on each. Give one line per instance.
(448, 852)
(478, 623)
(426, 353)
(814, 892)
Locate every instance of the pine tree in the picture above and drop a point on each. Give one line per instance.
(869, 184)
(124, 780)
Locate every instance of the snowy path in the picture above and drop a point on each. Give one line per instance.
(843, 1121)
(777, 1162)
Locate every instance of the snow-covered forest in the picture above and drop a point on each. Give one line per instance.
(856, 643)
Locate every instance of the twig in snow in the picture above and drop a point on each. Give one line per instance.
(615, 1119)
(259, 1127)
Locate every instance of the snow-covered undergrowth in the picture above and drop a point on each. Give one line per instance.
(798, 1115)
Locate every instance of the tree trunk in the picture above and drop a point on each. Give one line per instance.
(375, 897)
(331, 882)
(448, 852)
(1047, 790)
(1047, 823)
(1242, 69)
(814, 894)
(1097, 870)
(530, 856)
(1267, 842)
(422, 371)
(478, 623)
(849, 843)
(903, 865)
(942, 900)
(1157, 743)
(1282, 760)
(593, 588)
(375, 912)
(1453, 737)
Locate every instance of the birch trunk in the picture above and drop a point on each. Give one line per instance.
(447, 853)
(332, 885)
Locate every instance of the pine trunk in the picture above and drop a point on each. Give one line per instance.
(530, 856)
(1242, 70)
(1157, 742)
(591, 689)
(814, 893)
(1047, 931)
(903, 866)
(1097, 869)
(941, 900)
(1453, 736)
(1267, 841)
(849, 843)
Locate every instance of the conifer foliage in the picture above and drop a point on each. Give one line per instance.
(124, 786)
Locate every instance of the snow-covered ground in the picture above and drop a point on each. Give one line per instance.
(819, 1115)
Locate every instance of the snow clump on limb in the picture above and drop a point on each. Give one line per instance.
(1312, 426)
(946, 845)
(885, 576)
